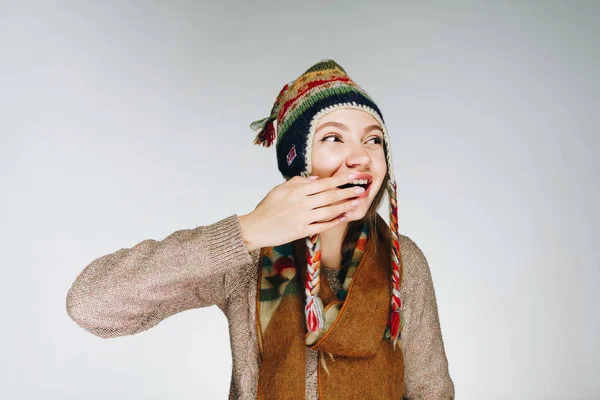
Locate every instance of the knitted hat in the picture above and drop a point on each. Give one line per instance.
(323, 88)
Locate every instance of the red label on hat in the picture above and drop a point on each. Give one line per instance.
(291, 155)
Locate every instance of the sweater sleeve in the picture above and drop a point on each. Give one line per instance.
(426, 366)
(133, 289)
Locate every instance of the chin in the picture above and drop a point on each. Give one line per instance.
(359, 213)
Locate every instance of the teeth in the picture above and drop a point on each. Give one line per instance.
(360, 181)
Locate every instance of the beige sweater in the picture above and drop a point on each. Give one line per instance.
(133, 289)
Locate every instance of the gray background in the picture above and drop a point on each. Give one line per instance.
(121, 122)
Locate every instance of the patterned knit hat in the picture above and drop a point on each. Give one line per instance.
(323, 88)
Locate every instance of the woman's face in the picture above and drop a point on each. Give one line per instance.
(350, 141)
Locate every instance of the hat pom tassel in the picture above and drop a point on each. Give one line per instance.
(266, 131)
(395, 326)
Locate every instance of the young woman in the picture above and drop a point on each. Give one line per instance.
(324, 299)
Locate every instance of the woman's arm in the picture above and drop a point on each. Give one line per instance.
(132, 290)
(426, 365)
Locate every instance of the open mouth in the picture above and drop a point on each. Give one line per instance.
(364, 183)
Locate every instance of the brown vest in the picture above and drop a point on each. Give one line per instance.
(359, 362)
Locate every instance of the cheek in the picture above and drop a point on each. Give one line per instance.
(379, 169)
(379, 163)
(325, 162)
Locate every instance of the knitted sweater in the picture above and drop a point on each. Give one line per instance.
(133, 289)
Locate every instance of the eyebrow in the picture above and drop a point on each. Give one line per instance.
(345, 127)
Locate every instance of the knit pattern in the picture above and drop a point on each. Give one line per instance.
(323, 85)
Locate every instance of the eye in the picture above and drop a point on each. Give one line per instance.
(377, 139)
(329, 137)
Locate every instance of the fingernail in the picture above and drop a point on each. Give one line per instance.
(313, 177)
(343, 218)
(360, 189)
(352, 176)
(354, 203)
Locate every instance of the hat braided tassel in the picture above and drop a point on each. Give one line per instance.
(396, 321)
(314, 305)
(266, 131)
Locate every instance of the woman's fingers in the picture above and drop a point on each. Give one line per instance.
(329, 212)
(298, 208)
(334, 195)
(323, 184)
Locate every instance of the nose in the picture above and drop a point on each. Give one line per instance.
(357, 157)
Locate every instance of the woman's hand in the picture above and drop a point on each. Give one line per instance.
(298, 208)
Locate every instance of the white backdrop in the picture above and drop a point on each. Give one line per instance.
(124, 121)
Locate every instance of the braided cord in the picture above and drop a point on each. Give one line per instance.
(396, 321)
(314, 305)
